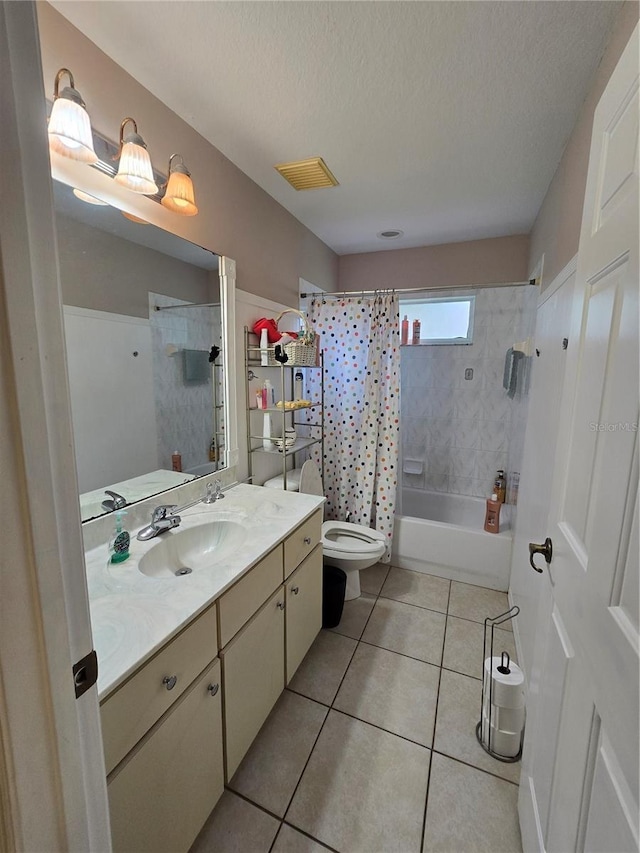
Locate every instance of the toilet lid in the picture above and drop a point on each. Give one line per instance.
(345, 538)
(310, 479)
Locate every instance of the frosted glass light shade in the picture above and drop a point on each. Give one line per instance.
(88, 198)
(179, 195)
(135, 171)
(70, 131)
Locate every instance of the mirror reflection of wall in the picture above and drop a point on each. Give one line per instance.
(133, 405)
(187, 384)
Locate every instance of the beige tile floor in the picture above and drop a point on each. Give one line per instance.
(372, 748)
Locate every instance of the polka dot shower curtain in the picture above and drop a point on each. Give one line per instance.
(360, 339)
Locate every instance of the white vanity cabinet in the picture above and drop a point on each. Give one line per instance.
(162, 734)
(128, 713)
(162, 794)
(215, 682)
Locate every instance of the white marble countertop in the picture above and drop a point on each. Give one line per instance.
(133, 615)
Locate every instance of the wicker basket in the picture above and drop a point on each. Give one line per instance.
(304, 350)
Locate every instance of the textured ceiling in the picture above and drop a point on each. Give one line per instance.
(444, 119)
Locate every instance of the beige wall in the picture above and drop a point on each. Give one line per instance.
(556, 231)
(237, 218)
(495, 261)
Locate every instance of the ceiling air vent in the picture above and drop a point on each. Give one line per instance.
(311, 174)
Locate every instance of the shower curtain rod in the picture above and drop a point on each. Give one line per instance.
(187, 305)
(401, 290)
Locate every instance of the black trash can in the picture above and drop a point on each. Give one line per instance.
(334, 585)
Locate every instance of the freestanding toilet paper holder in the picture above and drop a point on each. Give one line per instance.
(490, 624)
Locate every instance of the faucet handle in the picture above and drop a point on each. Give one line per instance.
(118, 501)
(162, 511)
(218, 487)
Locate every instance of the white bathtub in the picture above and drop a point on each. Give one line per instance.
(443, 534)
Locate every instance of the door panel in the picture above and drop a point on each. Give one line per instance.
(610, 825)
(594, 790)
(547, 376)
(557, 660)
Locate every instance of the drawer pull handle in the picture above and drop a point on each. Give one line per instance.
(170, 681)
(213, 689)
(295, 590)
(307, 540)
(281, 605)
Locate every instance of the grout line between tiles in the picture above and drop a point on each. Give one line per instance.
(306, 834)
(252, 802)
(459, 672)
(435, 723)
(402, 654)
(475, 766)
(381, 728)
(310, 698)
(411, 604)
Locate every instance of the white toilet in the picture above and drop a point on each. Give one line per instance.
(350, 547)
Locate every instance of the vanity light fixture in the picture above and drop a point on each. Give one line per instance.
(90, 199)
(134, 171)
(134, 218)
(69, 124)
(179, 195)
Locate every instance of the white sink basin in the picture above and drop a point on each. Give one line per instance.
(196, 549)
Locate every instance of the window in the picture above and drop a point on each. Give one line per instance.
(443, 319)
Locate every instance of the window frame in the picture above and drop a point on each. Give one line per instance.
(441, 297)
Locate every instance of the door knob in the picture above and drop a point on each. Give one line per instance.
(295, 590)
(170, 681)
(546, 550)
(213, 689)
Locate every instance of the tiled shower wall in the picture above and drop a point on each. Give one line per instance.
(463, 430)
(184, 412)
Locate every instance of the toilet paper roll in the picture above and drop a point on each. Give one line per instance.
(506, 744)
(504, 719)
(507, 691)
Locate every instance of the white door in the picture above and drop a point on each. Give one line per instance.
(579, 789)
(553, 319)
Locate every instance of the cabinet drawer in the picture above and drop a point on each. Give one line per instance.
(253, 678)
(238, 604)
(304, 609)
(302, 542)
(131, 711)
(160, 798)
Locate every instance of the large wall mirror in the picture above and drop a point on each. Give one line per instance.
(147, 339)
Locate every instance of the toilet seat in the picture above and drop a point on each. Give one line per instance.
(353, 541)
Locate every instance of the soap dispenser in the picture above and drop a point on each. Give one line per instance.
(119, 542)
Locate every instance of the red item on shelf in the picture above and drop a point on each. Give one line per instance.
(270, 325)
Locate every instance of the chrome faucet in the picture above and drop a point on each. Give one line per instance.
(114, 501)
(212, 496)
(162, 519)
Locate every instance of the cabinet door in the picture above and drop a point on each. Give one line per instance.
(304, 609)
(253, 677)
(244, 598)
(128, 714)
(301, 542)
(160, 797)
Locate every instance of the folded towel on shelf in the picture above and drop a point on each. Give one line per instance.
(511, 365)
